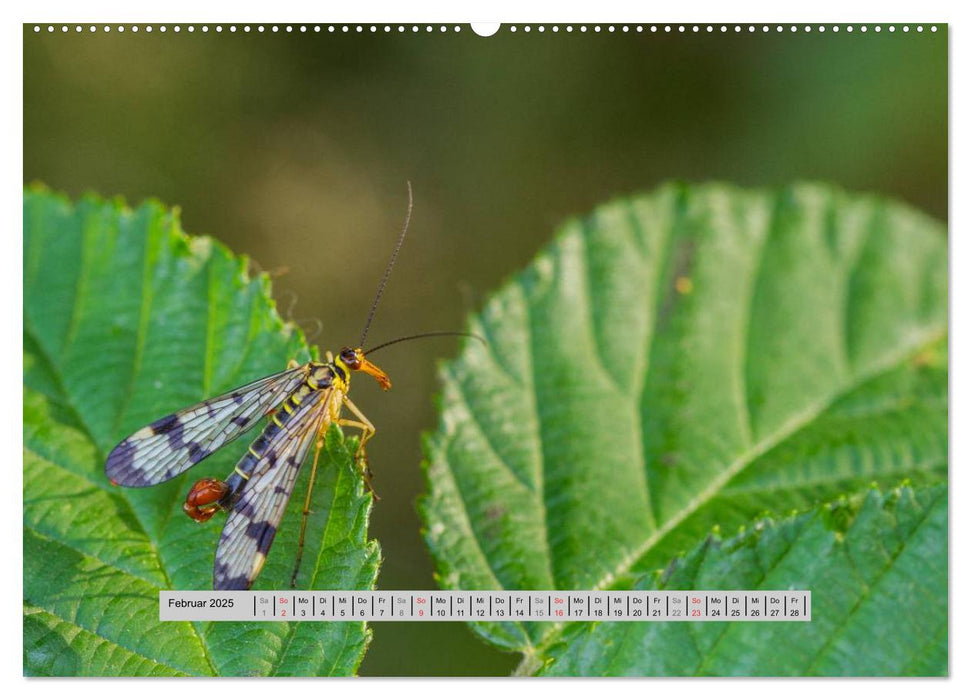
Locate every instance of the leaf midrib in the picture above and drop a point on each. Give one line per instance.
(291, 632)
(791, 427)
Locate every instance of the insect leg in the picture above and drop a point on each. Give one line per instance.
(367, 427)
(306, 512)
(367, 432)
(361, 456)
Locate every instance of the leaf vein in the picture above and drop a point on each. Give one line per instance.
(788, 429)
(104, 640)
(141, 333)
(868, 587)
(541, 462)
(490, 445)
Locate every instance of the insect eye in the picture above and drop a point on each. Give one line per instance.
(349, 357)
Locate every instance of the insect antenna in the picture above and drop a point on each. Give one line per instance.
(387, 271)
(435, 334)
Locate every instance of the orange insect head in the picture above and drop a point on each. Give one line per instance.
(353, 359)
(369, 367)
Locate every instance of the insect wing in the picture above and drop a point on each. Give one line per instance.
(253, 521)
(170, 445)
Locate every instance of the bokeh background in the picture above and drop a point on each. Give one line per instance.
(294, 148)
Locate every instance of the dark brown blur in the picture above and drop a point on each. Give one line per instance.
(294, 148)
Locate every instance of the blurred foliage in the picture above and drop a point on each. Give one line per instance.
(294, 148)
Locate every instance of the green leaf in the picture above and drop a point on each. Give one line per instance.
(683, 360)
(126, 319)
(876, 610)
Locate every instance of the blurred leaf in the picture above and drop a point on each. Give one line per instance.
(126, 319)
(683, 360)
(878, 575)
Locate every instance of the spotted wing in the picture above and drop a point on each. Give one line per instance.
(170, 445)
(253, 521)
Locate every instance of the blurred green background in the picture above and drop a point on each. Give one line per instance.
(295, 149)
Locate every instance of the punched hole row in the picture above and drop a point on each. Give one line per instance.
(414, 28)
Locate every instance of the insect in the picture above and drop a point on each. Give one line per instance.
(301, 403)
